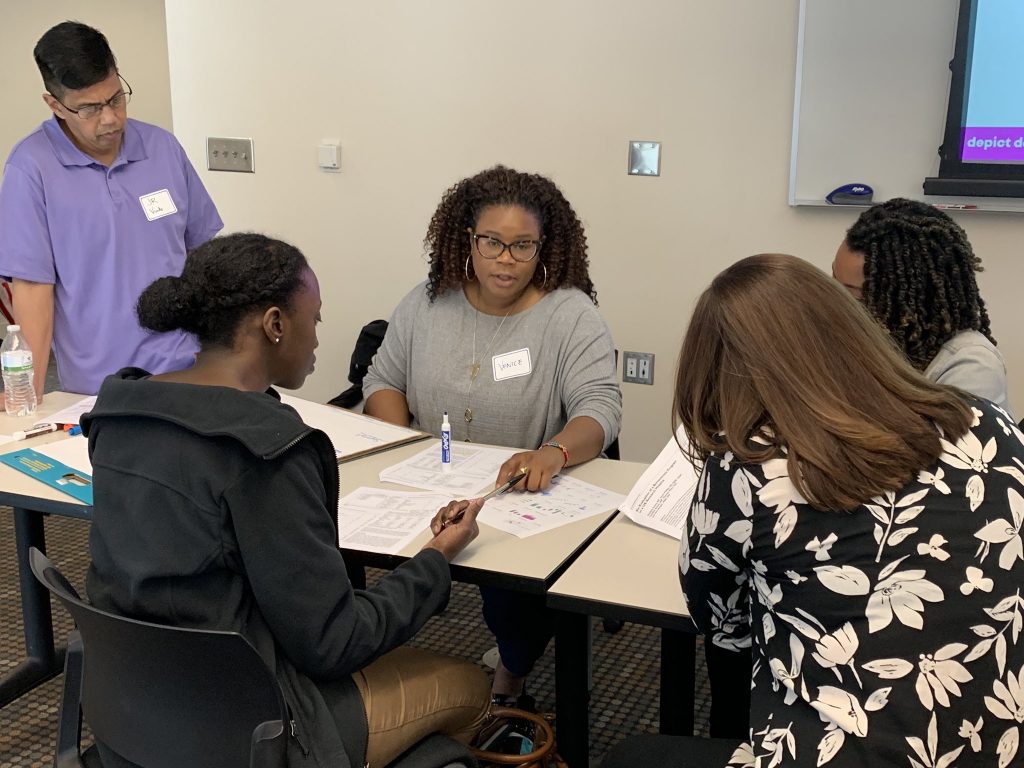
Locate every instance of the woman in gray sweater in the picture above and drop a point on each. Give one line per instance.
(505, 335)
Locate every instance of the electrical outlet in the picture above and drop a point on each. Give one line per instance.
(229, 155)
(638, 367)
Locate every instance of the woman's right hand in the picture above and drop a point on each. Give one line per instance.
(451, 536)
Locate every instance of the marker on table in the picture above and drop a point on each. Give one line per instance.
(503, 488)
(39, 429)
(446, 443)
(954, 206)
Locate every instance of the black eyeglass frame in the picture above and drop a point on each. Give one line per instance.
(507, 247)
(125, 94)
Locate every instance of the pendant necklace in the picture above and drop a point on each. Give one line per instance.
(474, 368)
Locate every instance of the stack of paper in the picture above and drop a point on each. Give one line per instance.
(662, 496)
(473, 470)
(353, 434)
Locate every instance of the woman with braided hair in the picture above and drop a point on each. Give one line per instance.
(506, 337)
(215, 508)
(914, 270)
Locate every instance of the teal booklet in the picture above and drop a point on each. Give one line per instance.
(52, 472)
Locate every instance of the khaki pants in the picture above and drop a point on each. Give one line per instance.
(410, 693)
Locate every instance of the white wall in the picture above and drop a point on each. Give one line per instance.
(421, 94)
(136, 31)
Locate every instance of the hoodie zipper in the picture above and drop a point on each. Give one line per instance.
(295, 735)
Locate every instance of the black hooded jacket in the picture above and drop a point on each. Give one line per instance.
(215, 508)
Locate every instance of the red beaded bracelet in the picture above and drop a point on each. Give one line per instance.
(562, 448)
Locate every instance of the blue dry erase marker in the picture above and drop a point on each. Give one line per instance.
(446, 443)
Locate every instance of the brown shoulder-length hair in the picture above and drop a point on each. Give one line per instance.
(776, 347)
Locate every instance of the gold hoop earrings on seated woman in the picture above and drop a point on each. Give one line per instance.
(544, 282)
(465, 267)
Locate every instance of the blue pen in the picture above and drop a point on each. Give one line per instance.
(446, 443)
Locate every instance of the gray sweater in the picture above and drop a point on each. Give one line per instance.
(969, 361)
(427, 355)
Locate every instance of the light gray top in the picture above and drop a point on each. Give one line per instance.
(972, 363)
(427, 355)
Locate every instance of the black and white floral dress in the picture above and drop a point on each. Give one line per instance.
(890, 635)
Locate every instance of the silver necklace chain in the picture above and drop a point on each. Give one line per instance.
(474, 368)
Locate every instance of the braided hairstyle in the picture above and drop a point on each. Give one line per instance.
(224, 281)
(564, 252)
(919, 278)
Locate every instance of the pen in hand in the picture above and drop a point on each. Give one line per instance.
(503, 488)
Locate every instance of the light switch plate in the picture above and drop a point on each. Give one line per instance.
(223, 154)
(644, 158)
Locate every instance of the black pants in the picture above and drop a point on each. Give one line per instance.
(522, 624)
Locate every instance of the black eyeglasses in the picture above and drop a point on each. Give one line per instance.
(492, 248)
(115, 102)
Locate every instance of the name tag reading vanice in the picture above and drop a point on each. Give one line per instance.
(512, 364)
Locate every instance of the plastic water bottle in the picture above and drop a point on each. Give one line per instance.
(16, 363)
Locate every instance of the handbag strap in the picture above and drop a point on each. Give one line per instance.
(538, 756)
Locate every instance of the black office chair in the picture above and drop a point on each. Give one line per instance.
(160, 695)
(170, 696)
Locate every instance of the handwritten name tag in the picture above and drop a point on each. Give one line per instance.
(512, 364)
(156, 205)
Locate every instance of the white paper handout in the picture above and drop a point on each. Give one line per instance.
(72, 414)
(565, 501)
(74, 452)
(661, 497)
(473, 470)
(352, 434)
(376, 520)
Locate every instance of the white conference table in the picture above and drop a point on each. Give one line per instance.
(496, 558)
(30, 499)
(627, 572)
(533, 565)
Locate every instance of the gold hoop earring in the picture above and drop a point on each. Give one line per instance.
(465, 268)
(545, 280)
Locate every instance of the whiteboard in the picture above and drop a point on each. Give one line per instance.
(872, 82)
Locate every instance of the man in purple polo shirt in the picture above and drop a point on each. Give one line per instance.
(93, 208)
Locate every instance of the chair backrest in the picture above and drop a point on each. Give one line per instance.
(171, 696)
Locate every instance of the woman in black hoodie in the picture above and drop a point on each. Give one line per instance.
(215, 508)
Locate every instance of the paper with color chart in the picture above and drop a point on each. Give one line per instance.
(473, 471)
(565, 501)
(376, 520)
(352, 434)
(662, 496)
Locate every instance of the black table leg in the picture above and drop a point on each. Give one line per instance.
(43, 660)
(572, 694)
(678, 679)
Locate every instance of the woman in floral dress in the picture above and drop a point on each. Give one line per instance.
(856, 525)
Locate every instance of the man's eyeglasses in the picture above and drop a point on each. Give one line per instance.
(115, 102)
(492, 248)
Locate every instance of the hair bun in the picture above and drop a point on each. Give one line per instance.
(166, 305)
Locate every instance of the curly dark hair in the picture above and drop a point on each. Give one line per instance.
(564, 252)
(224, 280)
(918, 276)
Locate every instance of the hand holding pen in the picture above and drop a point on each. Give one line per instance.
(454, 526)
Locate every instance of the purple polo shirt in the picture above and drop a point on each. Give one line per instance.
(101, 236)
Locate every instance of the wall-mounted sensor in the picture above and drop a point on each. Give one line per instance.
(329, 157)
(644, 158)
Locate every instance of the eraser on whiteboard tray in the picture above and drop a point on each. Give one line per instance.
(850, 194)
